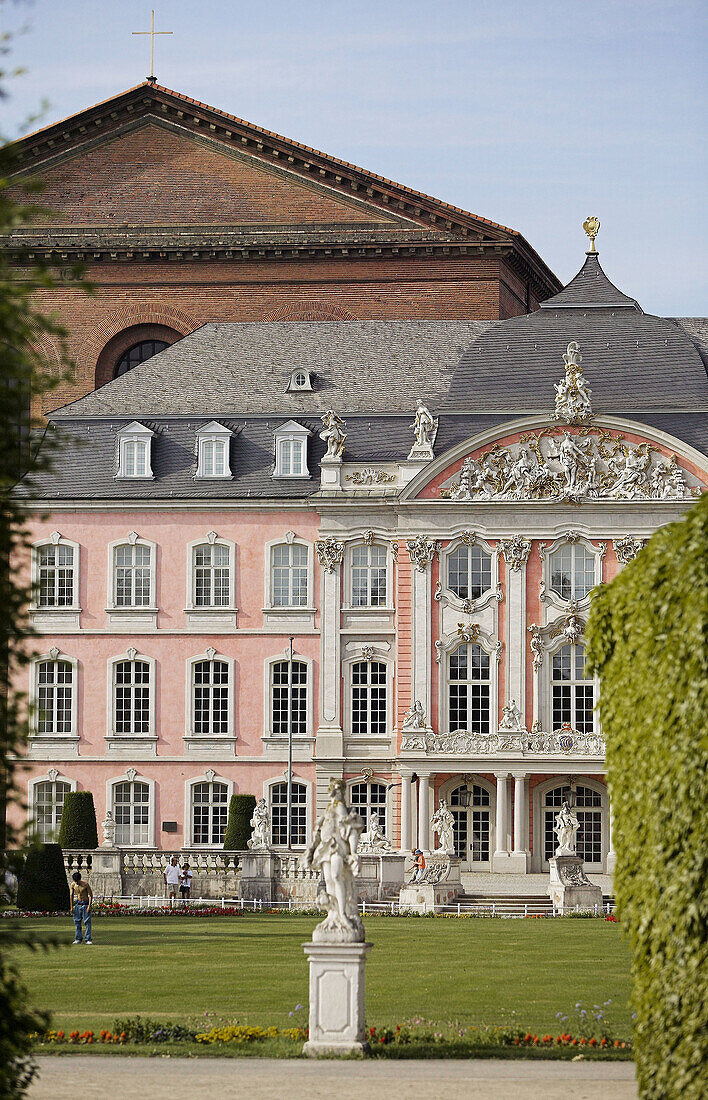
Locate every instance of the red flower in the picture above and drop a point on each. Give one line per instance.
(593, 1042)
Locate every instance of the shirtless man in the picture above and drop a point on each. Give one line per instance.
(81, 901)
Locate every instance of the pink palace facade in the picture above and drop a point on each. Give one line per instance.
(436, 590)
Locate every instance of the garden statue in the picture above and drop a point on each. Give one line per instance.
(373, 840)
(333, 434)
(334, 851)
(566, 829)
(260, 823)
(109, 831)
(443, 823)
(415, 717)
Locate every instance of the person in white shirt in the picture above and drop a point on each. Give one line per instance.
(172, 877)
(185, 886)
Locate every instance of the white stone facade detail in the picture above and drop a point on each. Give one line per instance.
(573, 395)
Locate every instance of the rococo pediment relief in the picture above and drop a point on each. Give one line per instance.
(579, 464)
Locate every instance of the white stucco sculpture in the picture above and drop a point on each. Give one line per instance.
(425, 428)
(109, 830)
(334, 851)
(415, 717)
(566, 829)
(573, 395)
(511, 718)
(333, 434)
(373, 840)
(260, 823)
(443, 823)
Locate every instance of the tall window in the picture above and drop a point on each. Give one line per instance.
(588, 808)
(368, 798)
(279, 815)
(211, 576)
(136, 458)
(469, 572)
(131, 809)
(132, 575)
(279, 698)
(469, 689)
(573, 694)
(292, 458)
(572, 569)
(138, 354)
(475, 817)
(209, 812)
(369, 698)
(55, 685)
(368, 566)
(210, 697)
(131, 686)
(48, 805)
(289, 575)
(55, 573)
(214, 458)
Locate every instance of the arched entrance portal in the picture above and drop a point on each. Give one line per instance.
(473, 811)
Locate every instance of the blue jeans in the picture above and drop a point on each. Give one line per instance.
(82, 913)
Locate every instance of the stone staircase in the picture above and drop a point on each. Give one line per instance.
(512, 905)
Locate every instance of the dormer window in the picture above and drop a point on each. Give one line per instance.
(213, 442)
(291, 450)
(134, 446)
(300, 379)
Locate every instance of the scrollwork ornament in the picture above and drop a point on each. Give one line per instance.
(330, 552)
(422, 551)
(516, 551)
(627, 548)
(536, 644)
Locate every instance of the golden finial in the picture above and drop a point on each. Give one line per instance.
(591, 226)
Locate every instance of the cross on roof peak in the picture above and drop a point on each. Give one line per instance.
(152, 32)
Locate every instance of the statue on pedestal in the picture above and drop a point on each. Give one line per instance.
(333, 434)
(425, 428)
(334, 851)
(415, 717)
(511, 718)
(109, 831)
(260, 823)
(566, 829)
(373, 840)
(443, 823)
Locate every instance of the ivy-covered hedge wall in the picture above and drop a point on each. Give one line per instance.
(647, 638)
(238, 827)
(78, 821)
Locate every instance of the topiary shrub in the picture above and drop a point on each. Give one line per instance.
(43, 883)
(78, 821)
(238, 827)
(646, 638)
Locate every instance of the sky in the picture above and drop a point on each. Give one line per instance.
(534, 114)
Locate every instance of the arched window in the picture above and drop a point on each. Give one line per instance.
(279, 698)
(289, 575)
(55, 685)
(587, 803)
(368, 798)
(211, 572)
(279, 815)
(472, 813)
(368, 576)
(131, 697)
(469, 572)
(572, 571)
(469, 689)
(210, 697)
(369, 698)
(131, 811)
(48, 803)
(573, 694)
(138, 354)
(210, 805)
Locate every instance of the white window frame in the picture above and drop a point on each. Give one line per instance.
(554, 649)
(209, 738)
(447, 644)
(356, 544)
(209, 776)
(309, 803)
(52, 776)
(54, 655)
(131, 775)
(288, 609)
(210, 539)
(131, 539)
(471, 540)
(469, 683)
(268, 734)
(114, 738)
(291, 432)
(539, 799)
(55, 539)
(388, 803)
(215, 433)
(571, 538)
(135, 433)
(357, 657)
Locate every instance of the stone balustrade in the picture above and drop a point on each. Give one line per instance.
(116, 872)
(274, 876)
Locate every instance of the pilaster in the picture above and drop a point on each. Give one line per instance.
(330, 741)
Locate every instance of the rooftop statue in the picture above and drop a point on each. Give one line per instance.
(333, 434)
(425, 428)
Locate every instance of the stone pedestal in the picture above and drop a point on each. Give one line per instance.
(258, 875)
(569, 886)
(423, 897)
(331, 473)
(337, 998)
(105, 877)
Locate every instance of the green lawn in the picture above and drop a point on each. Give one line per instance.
(253, 969)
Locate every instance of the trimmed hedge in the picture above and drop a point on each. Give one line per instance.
(43, 883)
(647, 637)
(78, 821)
(238, 828)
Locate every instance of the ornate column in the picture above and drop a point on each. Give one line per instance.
(330, 552)
(414, 815)
(500, 859)
(424, 839)
(406, 844)
(422, 552)
(519, 857)
(515, 551)
(611, 860)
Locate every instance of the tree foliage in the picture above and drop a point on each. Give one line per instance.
(647, 638)
(238, 827)
(78, 821)
(43, 884)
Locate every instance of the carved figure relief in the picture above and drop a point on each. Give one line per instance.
(369, 476)
(573, 404)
